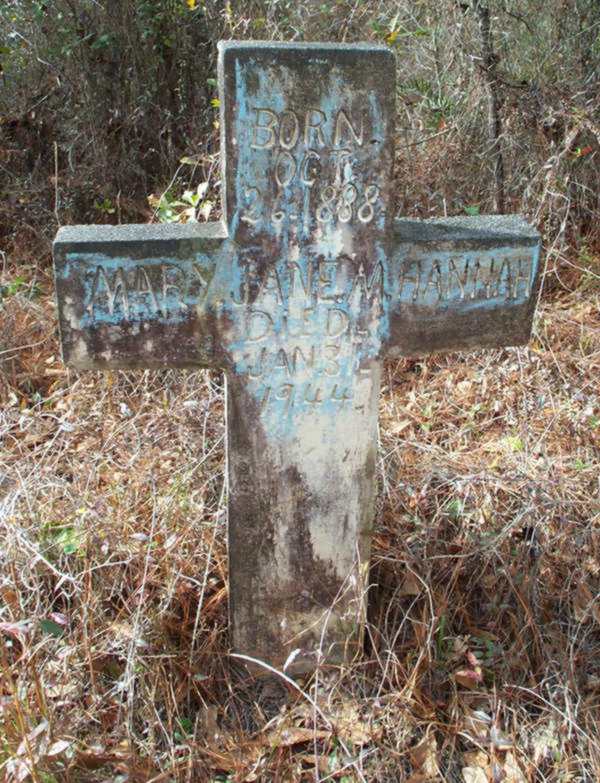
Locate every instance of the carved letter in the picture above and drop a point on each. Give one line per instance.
(265, 397)
(370, 289)
(474, 269)
(281, 362)
(167, 287)
(119, 286)
(248, 276)
(144, 286)
(315, 126)
(292, 139)
(204, 279)
(310, 155)
(299, 354)
(461, 279)
(316, 399)
(506, 277)
(337, 322)
(326, 281)
(296, 273)
(271, 285)
(260, 325)
(258, 370)
(285, 169)
(345, 395)
(286, 392)
(332, 359)
(406, 278)
(343, 167)
(522, 276)
(269, 128)
(343, 120)
(435, 280)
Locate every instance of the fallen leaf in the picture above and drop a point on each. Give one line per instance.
(291, 658)
(424, 757)
(499, 740)
(512, 771)
(475, 775)
(476, 758)
(399, 426)
(476, 725)
(477, 769)
(544, 742)
(411, 585)
(206, 209)
(52, 628)
(17, 770)
(468, 678)
(473, 661)
(11, 598)
(585, 604)
(295, 735)
(321, 762)
(18, 631)
(352, 727)
(30, 741)
(58, 747)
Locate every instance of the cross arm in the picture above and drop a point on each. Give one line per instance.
(462, 283)
(139, 295)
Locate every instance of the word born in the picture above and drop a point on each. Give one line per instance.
(288, 128)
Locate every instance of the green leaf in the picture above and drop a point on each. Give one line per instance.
(455, 508)
(68, 539)
(515, 443)
(471, 210)
(52, 628)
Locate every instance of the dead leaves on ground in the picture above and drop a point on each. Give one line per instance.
(347, 732)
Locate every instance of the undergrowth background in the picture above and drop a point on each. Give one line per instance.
(482, 658)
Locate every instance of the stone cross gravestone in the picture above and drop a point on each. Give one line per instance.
(298, 295)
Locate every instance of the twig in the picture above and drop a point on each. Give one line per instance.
(289, 681)
(56, 184)
(427, 138)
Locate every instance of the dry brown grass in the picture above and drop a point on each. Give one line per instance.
(482, 660)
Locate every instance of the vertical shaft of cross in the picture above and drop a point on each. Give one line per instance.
(307, 143)
(300, 516)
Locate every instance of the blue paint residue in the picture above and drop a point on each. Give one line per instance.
(118, 290)
(306, 352)
(469, 279)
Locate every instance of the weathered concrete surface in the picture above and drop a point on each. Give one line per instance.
(155, 296)
(462, 283)
(138, 296)
(299, 298)
(307, 132)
